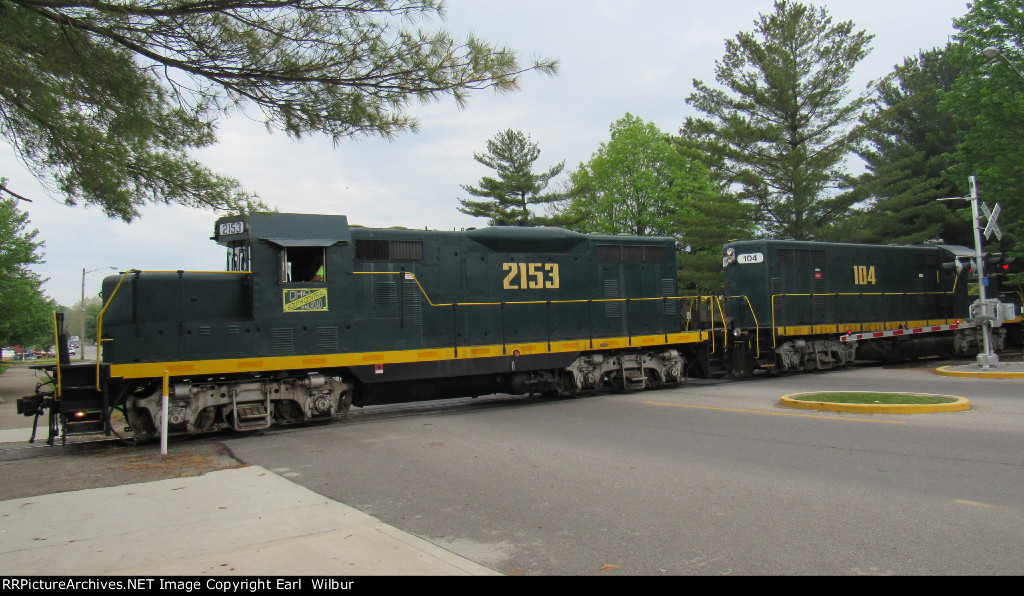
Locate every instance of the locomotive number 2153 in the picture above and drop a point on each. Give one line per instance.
(530, 276)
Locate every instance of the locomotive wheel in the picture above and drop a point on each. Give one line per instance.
(566, 384)
(122, 429)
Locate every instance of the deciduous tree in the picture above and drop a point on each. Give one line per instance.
(987, 100)
(643, 182)
(24, 310)
(631, 185)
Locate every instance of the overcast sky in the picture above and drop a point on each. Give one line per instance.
(615, 57)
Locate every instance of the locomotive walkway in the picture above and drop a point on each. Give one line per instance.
(238, 520)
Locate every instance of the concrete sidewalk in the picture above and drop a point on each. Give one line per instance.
(238, 521)
(243, 521)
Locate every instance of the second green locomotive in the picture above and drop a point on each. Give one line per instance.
(816, 305)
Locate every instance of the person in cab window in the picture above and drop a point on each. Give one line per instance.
(319, 275)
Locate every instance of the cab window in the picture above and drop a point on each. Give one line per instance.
(303, 264)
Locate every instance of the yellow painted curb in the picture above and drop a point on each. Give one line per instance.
(979, 374)
(959, 405)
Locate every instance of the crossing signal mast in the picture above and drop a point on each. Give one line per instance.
(987, 312)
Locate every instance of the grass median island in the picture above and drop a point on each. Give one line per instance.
(868, 397)
(871, 402)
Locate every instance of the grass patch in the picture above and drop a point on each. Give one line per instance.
(27, 363)
(869, 398)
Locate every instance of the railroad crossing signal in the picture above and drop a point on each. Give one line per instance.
(992, 227)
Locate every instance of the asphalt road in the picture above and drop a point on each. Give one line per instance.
(712, 478)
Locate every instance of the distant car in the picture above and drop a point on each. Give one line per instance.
(72, 352)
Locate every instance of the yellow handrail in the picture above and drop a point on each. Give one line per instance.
(99, 327)
(757, 325)
(56, 349)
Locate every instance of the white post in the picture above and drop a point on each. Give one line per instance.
(163, 413)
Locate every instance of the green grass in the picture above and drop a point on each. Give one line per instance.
(874, 398)
(9, 363)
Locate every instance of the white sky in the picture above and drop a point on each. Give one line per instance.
(637, 56)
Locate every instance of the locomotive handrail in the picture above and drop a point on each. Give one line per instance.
(757, 325)
(455, 305)
(56, 350)
(99, 327)
(721, 313)
(711, 313)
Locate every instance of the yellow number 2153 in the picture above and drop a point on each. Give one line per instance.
(530, 276)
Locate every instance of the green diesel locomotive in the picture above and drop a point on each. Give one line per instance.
(816, 305)
(313, 315)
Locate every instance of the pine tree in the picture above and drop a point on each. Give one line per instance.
(103, 101)
(784, 124)
(908, 159)
(511, 154)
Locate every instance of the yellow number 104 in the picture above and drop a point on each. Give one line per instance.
(863, 275)
(532, 276)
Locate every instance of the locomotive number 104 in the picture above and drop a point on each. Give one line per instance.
(863, 275)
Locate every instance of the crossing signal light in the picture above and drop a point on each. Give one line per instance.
(959, 266)
(996, 264)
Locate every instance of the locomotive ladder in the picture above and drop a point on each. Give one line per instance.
(633, 377)
(250, 415)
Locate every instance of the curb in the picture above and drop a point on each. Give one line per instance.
(959, 405)
(978, 374)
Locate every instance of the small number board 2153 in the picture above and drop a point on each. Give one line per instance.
(232, 227)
